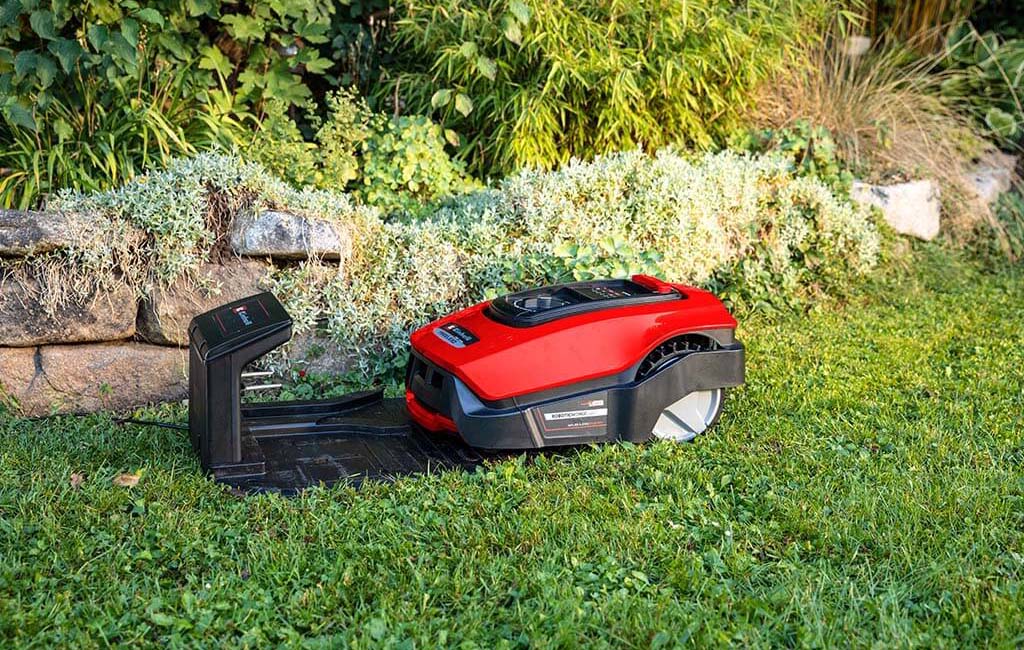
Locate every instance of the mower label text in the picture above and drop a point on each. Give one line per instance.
(580, 418)
(571, 415)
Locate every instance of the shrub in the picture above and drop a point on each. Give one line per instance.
(811, 150)
(535, 83)
(987, 75)
(261, 46)
(107, 135)
(394, 163)
(93, 93)
(745, 226)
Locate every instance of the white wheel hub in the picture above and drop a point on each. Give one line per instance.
(689, 416)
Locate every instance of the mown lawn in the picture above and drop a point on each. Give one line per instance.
(866, 488)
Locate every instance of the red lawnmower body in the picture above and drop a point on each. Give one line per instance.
(480, 367)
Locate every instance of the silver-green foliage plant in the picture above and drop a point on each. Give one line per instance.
(162, 226)
(744, 225)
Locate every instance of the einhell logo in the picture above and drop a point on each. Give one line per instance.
(242, 311)
(455, 335)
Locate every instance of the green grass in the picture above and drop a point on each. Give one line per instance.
(865, 488)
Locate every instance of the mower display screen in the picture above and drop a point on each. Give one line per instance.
(549, 303)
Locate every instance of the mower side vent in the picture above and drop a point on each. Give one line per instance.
(672, 349)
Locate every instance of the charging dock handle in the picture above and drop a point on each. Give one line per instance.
(221, 343)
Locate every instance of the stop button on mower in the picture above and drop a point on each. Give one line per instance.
(558, 366)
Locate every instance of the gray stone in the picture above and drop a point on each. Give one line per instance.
(856, 46)
(24, 321)
(287, 236)
(85, 378)
(993, 175)
(27, 232)
(910, 208)
(164, 316)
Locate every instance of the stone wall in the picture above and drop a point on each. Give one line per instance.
(117, 352)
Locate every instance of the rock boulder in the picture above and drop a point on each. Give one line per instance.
(85, 378)
(25, 232)
(287, 236)
(24, 321)
(993, 175)
(910, 208)
(164, 316)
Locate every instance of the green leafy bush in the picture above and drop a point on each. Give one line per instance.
(811, 150)
(145, 81)
(986, 74)
(108, 134)
(262, 46)
(534, 83)
(394, 163)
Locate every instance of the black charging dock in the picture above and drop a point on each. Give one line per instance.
(286, 446)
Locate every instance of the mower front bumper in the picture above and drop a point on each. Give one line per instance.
(615, 409)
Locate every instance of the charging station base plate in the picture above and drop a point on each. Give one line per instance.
(375, 442)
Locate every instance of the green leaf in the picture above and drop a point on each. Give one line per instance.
(244, 28)
(62, 129)
(283, 85)
(20, 116)
(42, 24)
(67, 52)
(25, 63)
(510, 27)
(98, 36)
(463, 104)
(1002, 123)
(170, 42)
(46, 71)
(199, 7)
(214, 59)
(9, 12)
(452, 137)
(520, 10)
(441, 98)
(130, 30)
(468, 49)
(319, 65)
(119, 46)
(151, 16)
(486, 67)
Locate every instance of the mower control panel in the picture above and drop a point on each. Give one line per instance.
(546, 304)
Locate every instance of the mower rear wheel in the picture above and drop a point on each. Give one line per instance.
(689, 416)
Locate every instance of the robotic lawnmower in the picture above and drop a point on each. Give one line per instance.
(557, 366)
